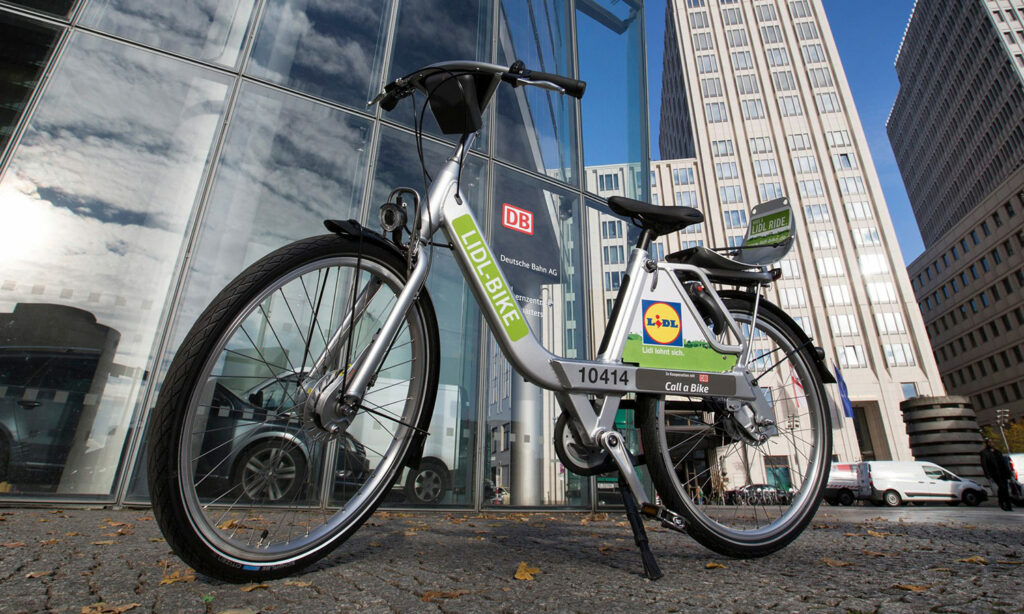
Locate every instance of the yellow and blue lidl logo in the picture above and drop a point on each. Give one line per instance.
(661, 323)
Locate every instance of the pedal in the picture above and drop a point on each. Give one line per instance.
(665, 516)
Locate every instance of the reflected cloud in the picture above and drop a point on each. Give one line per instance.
(210, 30)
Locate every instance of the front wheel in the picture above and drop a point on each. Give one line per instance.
(247, 481)
(696, 458)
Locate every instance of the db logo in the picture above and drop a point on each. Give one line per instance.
(703, 379)
(661, 323)
(517, 219)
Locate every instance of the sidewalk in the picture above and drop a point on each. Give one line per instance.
(850, 559)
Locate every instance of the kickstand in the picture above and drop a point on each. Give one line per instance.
(651, 569)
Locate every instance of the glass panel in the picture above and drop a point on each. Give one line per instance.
(206, 30)
(89, 246)
(25, 47)
(322, 47)
(536, 129)
(542, 260)
(451, 446)
(287, 164)
(54, 7)
(430, 31)
(611, 56)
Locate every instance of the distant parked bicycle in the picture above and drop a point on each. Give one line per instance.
(725, 384)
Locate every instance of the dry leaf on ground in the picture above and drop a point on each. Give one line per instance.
(878, 533)
(835, 563)
(178, 576)
(297, 583)
(49, 542)
(1010, 562)
(436, 595)
(715, 566)
(254, 587)
(977, 560)
(917, 588)
(13, 544)
(872, 553)
(105, 608)
(525, 572)
(38, 574)
(103, 542)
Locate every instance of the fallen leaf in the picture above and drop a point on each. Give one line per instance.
(715, 566)
(178, 576)
(254, 587)
(157, 539)
(436, 595)
(13, 544)
(525, 572)
(835, 563)
(853, 534)
(297, 583)
(968, 526)
(872, 553)
(117, 523)
(49, 542)
(917, 588)
(144, 518)
(977, 560)
(38, 574)
(1010, 562)
(103, 608)
(940, 569)
(103, 542)
(375, 544)
(72, 534)
(878, 533)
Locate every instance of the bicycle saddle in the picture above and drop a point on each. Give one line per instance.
(658, 220)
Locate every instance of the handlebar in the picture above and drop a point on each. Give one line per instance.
(515, 75)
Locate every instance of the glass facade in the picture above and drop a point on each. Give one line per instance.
(148, 154)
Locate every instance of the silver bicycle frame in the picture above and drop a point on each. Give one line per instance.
(571, 380)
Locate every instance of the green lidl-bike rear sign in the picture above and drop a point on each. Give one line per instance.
(498, 294)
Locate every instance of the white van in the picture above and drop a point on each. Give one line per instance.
(847, 482)
(896, 482)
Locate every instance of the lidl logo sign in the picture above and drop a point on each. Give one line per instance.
(661, 323)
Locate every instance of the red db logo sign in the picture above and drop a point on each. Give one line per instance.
(516, 219)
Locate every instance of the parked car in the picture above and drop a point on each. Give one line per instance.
(897, 482)
(431, 480)
(264, 455)
(757, 494)
(847, 483)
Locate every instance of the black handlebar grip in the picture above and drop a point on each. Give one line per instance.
(572, 87)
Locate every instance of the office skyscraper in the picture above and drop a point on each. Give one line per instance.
(755, 105)
(957, 129)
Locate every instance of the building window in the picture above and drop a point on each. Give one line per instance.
(765, 168)
(722, 148)
(777, 56)
(716, 112)
(898, 355)
(771, 34)
(765, 12)
(805, 164)
(851, 356)
(864, 237)
(711, 88)
(806, 30)
(783, 81)
(761, 144)
(830, 267)
(890, 323)
(799, 142)
(843, 325)
(726, 170)
(730, 194)
(770, 191)
(703, 41)
(753, 109)
(790, 106)
(608, 181)
(873, 264)
(735, 219)
(813, 54)
(707, 63)
(747, 84)
(742, 60)
(810, 188)
(736, 38)
(682, 176)
(792, 297)
(860, 210)
(817, 213)
(881, 293)
(823, 239)
(837, 294)
(611, 229)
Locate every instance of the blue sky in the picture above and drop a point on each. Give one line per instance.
(867, 34)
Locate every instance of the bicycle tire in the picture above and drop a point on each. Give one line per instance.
(693, 474)
(200, 419)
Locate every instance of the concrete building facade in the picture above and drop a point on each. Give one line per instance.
(755, 105)
(957, 129)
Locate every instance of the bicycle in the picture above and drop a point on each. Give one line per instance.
(343, 327)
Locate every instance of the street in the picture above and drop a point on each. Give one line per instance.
(855, 559)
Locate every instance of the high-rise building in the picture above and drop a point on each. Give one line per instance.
(957, 129)
(755, 105)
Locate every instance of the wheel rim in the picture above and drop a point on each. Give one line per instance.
(270, 474)
(428, 486)
(788, 468)
(275, 338)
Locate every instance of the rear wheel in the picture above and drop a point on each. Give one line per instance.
(971, 498)
(427, 484)
(846, 497)
(695, 457)
(247, 480)
(892, 498)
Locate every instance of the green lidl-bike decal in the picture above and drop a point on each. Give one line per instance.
(768, 229)
(692, 356)
(486, 271)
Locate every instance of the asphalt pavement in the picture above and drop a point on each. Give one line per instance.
(858, 559)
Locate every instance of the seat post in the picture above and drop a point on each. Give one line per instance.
(646, 236)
